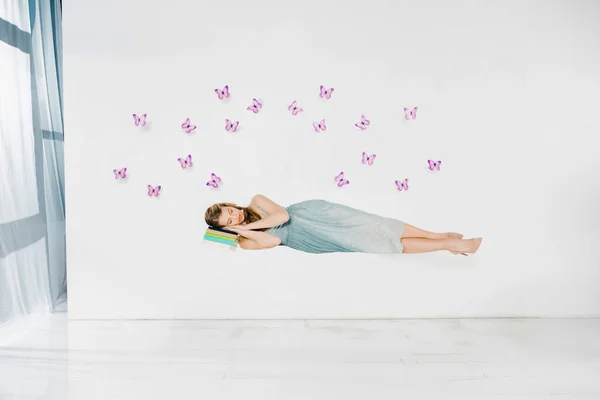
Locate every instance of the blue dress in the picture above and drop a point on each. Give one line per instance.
(319, 226)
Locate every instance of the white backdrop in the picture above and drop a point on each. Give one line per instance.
(507, 97)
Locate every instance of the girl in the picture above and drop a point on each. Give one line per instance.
(318, 226)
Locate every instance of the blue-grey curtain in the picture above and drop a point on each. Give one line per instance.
(32, 204)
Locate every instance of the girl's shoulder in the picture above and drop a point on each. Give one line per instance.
(257, 209)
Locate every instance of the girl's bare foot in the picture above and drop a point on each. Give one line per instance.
(477, 243)
(469, 246)
(454, 235)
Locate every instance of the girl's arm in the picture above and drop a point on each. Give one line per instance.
(277, 214)
(255, 239)
(248, 244)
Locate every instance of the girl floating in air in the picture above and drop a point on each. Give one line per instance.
(319, 226)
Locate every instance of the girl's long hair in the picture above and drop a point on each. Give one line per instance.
(214, 212)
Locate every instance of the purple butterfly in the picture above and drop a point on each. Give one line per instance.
(294, 108)
(223, 94)
(154, 190)
(255, 107)
(141, 120)
(187, 125)
(434, 165)
(340, 179)
(410, 113)
(185, 162)
(325, 92)
(120, 173)
(368, 158)
(363, 124)
(402, 185)
(214, 180)
(320, 126)
(231, 126)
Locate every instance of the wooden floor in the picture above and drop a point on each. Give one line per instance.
(400, 359)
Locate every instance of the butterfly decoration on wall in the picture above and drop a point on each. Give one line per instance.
(294, 108)
(340, 179)
(319, 126)
(223, 93)
(408, 114)
(255, 106)
(185, 162)
(154, 191)
(402, 185)
(187, 126)
(363, 124)
(139, 120)
(368, 159)
(325, 93)
(214, 181)
(434, 165)
(120, 173)
(231, 126)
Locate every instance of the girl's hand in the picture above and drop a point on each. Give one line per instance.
(238, 228)
(246, 233)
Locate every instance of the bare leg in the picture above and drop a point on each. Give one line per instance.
(418, 245)
(414, 232)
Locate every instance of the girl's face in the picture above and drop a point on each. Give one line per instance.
(231, 216)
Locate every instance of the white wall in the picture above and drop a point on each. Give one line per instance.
(508, 99)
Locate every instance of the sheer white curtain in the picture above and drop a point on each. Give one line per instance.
(32, 211)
